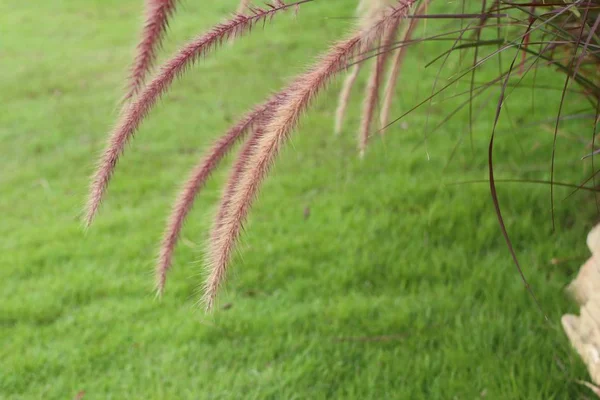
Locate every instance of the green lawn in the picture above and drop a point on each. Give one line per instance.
(398, 285)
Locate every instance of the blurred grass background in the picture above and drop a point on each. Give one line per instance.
(375, 278)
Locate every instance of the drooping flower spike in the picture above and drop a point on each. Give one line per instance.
(397, 61)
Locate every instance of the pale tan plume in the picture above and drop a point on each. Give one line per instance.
(397, 62)
(299, 95)
(368, 12)
(345, 97)
(374, 83)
